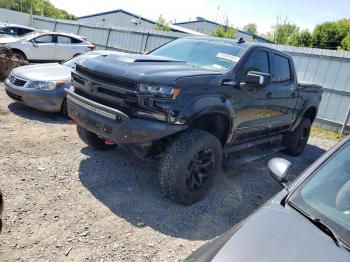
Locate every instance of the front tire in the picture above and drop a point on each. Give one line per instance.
(93, 140)
(296, 140)
(64, 109)
(190, 165)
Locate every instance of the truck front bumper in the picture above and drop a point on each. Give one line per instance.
(113, 124)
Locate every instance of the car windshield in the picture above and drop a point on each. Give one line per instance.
(211, 54)
(30, 35)
(325, 195)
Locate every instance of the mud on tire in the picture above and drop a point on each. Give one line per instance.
(296, 140)
(189, 167)
(93, 140)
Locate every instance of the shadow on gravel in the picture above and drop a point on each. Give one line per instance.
(129, 188)
(33, 114)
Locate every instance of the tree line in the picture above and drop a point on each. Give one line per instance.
(36, 7)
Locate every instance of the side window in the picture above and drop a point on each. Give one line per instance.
(280, 69)
(76, 41)
(44, 39)
(63, 39)
(258, 61)
(12, 30)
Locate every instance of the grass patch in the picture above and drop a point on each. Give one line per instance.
(326, 134)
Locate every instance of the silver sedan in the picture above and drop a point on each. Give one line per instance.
(41, 86)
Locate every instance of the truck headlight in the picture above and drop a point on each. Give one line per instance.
(47, 85)
(159, 90)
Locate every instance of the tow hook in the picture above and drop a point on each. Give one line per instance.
(110, 142)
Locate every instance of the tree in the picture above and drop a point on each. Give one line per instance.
(329, 35)
(303, 39)
(224, 32)
(283, 31)
(162, 24)
(345, 44)
(251, 28)
(37, 7)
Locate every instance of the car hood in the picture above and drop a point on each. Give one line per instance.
(8, 39)
(275, 234)
(43, 72)
(142, 68)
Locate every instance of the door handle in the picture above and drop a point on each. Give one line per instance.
(293, 94)
(268, 95)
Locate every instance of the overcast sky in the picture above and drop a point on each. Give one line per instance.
(304, 13)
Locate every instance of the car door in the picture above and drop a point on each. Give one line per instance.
(65, 49)
(255, 112)
(286, 89)
(42, 48)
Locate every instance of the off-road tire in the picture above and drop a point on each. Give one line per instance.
(93, 140)
(179, 158)
(296, 140)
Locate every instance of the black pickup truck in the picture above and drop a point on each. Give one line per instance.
(188, 103)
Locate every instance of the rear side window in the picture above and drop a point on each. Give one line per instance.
(76, 41)
(64, 39)
(259, 62)
(281, 69)
(45, 39)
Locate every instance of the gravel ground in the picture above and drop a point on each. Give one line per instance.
(67, 202)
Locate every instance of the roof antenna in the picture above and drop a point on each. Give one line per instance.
(241, 41)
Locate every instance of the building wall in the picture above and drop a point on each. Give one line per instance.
(117, 19)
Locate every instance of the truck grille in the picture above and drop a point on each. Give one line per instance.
(111, 96)
(118, 82)
(16, 81)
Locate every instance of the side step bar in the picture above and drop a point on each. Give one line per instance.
(244, 146)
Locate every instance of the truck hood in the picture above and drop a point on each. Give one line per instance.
(43, 72)
(275, 234)
(142, 68)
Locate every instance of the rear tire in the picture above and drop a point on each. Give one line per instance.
(93, 140)
(190, 166)
(296, 140)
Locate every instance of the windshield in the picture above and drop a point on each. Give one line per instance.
(211, 54)
(29, 36)
(326, 194)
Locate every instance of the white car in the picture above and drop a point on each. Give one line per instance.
(15, 30)
(47, 46)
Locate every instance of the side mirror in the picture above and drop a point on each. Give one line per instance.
(279, 169)
(35, 44)
(258, 78)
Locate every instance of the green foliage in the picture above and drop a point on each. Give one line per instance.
(162, 24)
(345, 44)
(330, 35)
(283, 31)
(38, 7)
(251, 28)
(302, 39)
(224, 32)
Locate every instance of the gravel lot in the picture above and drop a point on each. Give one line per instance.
(67, 202)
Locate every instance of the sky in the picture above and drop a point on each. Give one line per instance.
(304, 13)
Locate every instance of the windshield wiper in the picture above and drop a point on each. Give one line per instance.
(321, 225)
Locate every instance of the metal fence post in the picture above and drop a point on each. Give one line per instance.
(107, 39)
(346, 120)
(146, 42)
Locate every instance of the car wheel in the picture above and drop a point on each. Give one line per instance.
(93, 140)
(189, 167)
(64, 109)
(296, 140)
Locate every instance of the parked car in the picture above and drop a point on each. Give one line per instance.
(308, 221)
(47, 46)
(15, 30)
(189, 102)
(41, 86)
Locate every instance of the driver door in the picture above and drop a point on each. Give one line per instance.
(256, 112)
(43, 48)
